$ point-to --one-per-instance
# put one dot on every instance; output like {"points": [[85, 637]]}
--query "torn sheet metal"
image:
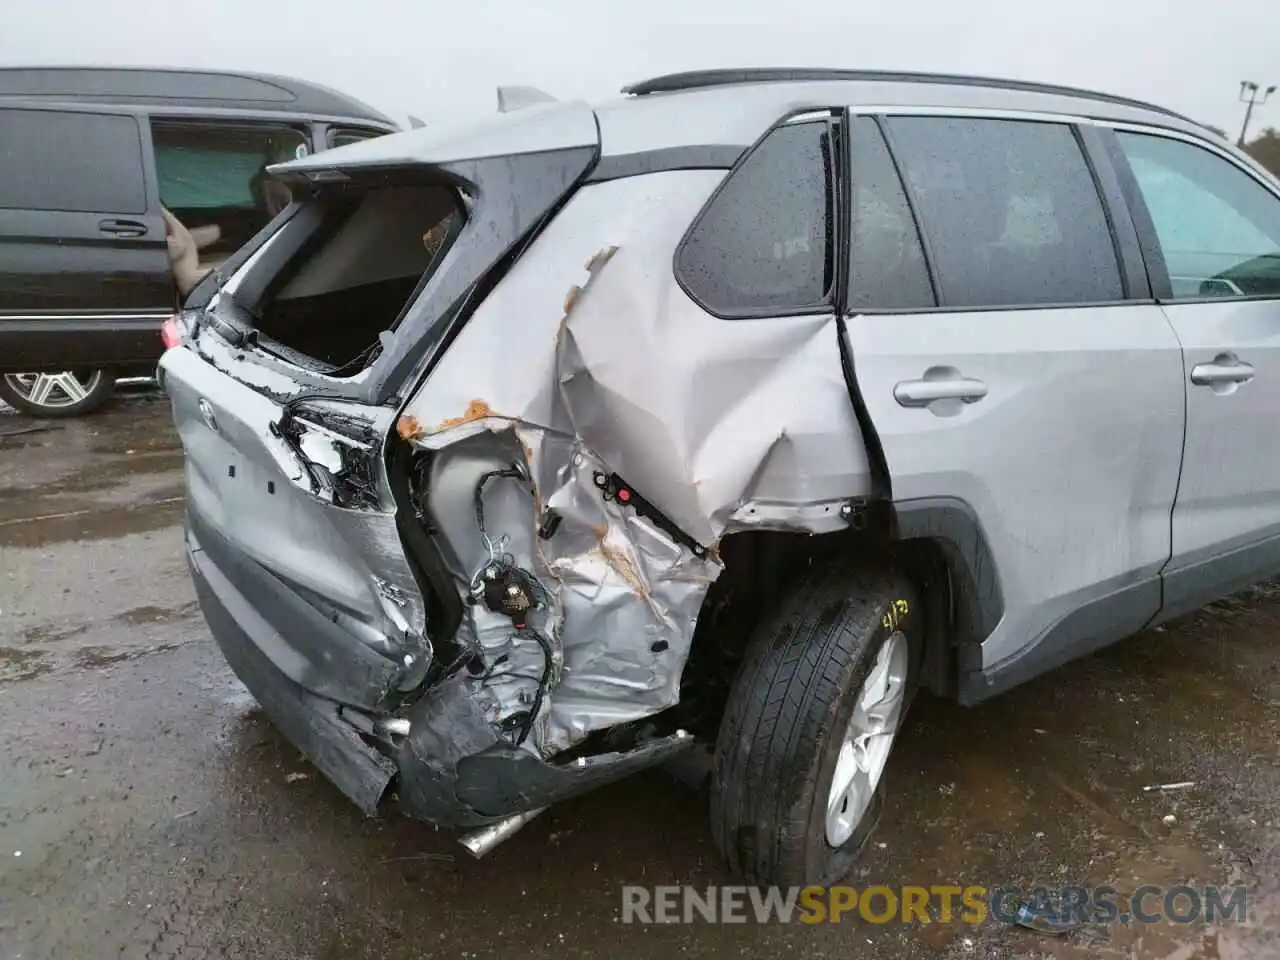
{"points": [[612, 372], [302, 492]]}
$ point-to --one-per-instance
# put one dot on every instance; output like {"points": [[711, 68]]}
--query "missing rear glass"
{"points": [[346, 270]]}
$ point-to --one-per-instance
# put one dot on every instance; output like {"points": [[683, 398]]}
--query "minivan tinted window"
{"points": [[1218, 228], [213, 174], [1010, 210], [764, 243], [82, 162]]}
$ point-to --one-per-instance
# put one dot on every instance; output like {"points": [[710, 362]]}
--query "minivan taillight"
{"points": [[171, 333]]}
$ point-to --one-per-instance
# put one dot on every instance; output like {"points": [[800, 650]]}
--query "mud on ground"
{"points": [[147, 809]]}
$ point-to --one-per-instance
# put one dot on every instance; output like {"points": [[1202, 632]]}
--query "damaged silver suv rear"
{"points": [[530, 454]]}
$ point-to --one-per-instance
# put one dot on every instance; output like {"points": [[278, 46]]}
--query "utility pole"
{"points": [[1249, 93]]}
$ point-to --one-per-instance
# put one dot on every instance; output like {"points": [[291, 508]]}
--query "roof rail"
{"points": [[695, 79]]}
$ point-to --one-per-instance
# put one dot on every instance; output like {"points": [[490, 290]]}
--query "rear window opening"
{"points": [[344, 268]]}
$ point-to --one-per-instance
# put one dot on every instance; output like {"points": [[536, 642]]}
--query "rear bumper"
{"points": [[313, 724], [451, 769]]}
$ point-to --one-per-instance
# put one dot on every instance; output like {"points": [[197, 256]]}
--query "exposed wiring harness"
{"points": [[501, 570]]}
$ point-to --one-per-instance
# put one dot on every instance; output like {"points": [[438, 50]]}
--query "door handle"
{"points": [[1225, 369], [921, 393], [123, 228]]}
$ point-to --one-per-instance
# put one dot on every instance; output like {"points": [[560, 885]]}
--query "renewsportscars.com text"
{"points": [[940, 903]]}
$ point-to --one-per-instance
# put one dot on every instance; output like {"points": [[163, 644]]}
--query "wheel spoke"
{"points": [[868, 740], [41, 387], [842, 779], [72, 387]]}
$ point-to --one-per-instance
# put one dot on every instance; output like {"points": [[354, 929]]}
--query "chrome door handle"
{"points": [[921, 393], [1223, 370]]}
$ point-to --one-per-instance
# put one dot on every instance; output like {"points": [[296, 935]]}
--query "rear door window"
{"points": [[213, 176], [887, 269], [68, 161], [764, 243], [343, 269], [1010, 210], [1218, 227]]}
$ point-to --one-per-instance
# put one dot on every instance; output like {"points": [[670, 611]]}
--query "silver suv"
{"points": [[716, 420]]}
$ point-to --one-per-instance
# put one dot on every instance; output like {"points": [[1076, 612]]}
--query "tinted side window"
{"points": [[764, 243], [887, 268], [215, 175], [1010, 210], [1219, 229], [88, 162], [347, 135]]}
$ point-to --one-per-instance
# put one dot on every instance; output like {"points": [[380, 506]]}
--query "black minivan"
{"points": [[121, 187]]}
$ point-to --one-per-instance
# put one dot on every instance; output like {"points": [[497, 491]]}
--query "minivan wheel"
{"points": [[810, 723], [68, 393]]}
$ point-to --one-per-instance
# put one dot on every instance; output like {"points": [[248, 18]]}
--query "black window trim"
{"points": [[834, 119], [1152, 251]]}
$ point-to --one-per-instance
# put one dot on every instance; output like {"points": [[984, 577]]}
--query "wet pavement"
{"points": [[147, 809]]}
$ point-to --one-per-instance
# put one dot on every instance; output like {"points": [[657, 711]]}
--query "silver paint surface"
{"points": [[721, 425]]}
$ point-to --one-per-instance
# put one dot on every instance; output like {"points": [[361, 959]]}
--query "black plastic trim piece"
{"points": [[613, 488], [1124, 232], [1124, 242], [954, 526], [881, 478], [1144, 226], [503, 781], [693, 157], [1083, 631], [695, 79], [1192, 587]]}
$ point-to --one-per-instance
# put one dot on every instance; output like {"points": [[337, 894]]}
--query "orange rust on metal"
{"points": [[409, 428], [620, 561], [571, 298], [476, 410]]}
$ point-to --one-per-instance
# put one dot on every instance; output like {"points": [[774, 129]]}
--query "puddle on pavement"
{"points": [[22, 664], [107, 656], [101, 523], [49, 634], [141, 616]]}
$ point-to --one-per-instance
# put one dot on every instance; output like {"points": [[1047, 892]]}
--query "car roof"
{"points": [[735, 106], [176, 87]]}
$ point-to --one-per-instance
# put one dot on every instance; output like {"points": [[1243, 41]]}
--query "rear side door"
{"points": [[1026, 391], [84, 270], [1211, 229]]}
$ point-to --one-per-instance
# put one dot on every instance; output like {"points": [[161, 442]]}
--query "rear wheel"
{"points": [[809, 726], [68, 393]]}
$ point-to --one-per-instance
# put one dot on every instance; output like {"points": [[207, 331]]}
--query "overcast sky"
{"points": [[443, 61]]}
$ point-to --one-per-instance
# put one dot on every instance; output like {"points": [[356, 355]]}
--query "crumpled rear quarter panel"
{"points": [[589, 360]]}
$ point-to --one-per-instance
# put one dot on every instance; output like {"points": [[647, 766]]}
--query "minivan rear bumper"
{"points": [[450, 769]]}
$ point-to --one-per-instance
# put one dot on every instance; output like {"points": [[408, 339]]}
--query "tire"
{"points": [[66, 393], [786, 721]]}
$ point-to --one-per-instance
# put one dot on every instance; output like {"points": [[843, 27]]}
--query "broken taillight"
{"points": [[171, 333]]}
